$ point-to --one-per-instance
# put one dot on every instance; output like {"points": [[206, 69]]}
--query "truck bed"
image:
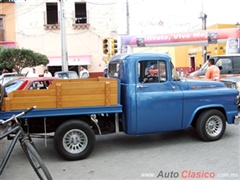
{"points": [[66, 97]]}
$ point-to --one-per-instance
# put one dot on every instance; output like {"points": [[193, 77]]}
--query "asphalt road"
{"points": [[178, 155]]}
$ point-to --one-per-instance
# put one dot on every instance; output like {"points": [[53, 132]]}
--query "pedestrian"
{"points": [[84, 73], [47, 73], [200, 66], [33, 73], [4, 71], [14, 71], [213, 72]]}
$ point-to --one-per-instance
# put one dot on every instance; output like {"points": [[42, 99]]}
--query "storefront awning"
{"points": [[72, 60]]}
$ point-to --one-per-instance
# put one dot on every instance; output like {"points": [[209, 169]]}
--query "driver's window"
{"points": [[152, 71]]}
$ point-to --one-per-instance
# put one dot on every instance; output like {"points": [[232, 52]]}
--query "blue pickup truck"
{"points": [[147, 103]]}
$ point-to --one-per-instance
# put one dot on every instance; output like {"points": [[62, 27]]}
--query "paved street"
{"points": [[120, 156]]}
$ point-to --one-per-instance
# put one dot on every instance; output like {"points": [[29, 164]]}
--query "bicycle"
{"points": [[14, 127]]}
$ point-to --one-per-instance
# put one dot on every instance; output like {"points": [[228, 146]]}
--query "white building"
{"points": [[87, 23]]}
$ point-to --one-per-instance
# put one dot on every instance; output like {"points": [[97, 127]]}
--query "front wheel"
{"points": [[211, 125], [36, 161], [74, 140]]}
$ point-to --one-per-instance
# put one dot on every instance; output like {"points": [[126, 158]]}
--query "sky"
{"points": [[164, 16]]}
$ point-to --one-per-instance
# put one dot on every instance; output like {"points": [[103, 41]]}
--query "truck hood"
{"points": [[203, 84]]}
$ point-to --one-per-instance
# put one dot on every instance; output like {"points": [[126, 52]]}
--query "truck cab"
{"points": [[162, 101]]}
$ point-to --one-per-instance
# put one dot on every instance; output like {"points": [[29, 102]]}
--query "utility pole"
{"points": [[204, 23], [203, 16], [63, 37], [127, 10]]}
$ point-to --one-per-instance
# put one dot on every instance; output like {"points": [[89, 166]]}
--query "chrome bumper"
{"points": [[237, 120]]}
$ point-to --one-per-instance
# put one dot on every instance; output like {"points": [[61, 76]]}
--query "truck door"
{"points": [[159, 101]]}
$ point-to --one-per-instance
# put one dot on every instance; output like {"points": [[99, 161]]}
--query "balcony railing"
{"points": [[52, 26]]}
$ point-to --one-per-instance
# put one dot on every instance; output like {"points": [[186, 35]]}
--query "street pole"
{"points": [[127, 9], [204, 27], [63, 37], [204, 23]]}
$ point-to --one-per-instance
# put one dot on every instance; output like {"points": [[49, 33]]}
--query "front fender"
{"points": [[199, 109]]}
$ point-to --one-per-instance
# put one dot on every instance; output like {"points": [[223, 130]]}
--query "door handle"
{"points": [[140, 86]]}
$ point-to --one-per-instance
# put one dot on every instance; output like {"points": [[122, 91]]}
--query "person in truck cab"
{"points": [[213, 72]]}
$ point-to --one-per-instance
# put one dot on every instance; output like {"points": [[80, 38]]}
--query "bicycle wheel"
{"points": [[36, 161]]}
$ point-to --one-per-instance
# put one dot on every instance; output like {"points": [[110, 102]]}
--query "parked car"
{"points": [[28, 83], [6, 77], [229, 65], [66, 75], [233, 83]]}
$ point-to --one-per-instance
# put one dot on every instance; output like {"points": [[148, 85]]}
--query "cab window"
{"points": [[114, 70], [150, 71]]}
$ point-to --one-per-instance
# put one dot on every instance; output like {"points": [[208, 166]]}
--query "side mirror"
{"points": [[220, 67]]}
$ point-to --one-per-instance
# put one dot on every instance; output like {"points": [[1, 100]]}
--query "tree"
{"points": [[15, 58]]}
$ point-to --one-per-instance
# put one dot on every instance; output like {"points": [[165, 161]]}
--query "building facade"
{"points": [[86, 24], [7, 23]]}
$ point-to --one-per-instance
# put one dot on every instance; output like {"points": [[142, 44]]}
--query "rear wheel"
{"points": [[74, 140], [211, 125], [36, 161]]}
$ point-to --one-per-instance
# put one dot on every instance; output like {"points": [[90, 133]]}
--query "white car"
{"points": [[66, 75], [6, 77]]}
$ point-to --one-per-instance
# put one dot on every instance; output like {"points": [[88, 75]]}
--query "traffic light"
{"points": [[106, 47], [114, 46]]}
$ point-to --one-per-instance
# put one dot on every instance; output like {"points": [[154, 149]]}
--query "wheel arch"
{"points": [[197, 113]]}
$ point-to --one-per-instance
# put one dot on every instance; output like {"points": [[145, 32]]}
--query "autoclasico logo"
{"points": [[186, 174]]}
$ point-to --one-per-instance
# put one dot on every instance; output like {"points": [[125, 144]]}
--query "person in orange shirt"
{"points": [[213, 72]]}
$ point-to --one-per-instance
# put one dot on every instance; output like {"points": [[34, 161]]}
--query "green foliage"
{"points": [[14, 58]]}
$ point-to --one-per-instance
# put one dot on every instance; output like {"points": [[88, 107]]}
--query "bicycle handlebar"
{"points": [[30, 109], [16, 116]]}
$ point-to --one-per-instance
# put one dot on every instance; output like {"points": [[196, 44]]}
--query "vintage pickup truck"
{"points": [[131, 100]]}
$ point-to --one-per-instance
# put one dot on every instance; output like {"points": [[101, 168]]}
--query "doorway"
{"points": [[192, 63]]}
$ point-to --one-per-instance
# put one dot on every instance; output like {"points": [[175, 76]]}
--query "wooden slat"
{"points": [[30, 93], [74, 80], [23, 100], [66, 92], [58, 95], [27, 105]]}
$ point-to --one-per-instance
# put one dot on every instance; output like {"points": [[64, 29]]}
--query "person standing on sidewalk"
{"points": [[84, 73]]}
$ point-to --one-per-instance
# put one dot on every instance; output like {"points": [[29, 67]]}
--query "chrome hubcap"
{"points": [[75, 141], [214, 126]]}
